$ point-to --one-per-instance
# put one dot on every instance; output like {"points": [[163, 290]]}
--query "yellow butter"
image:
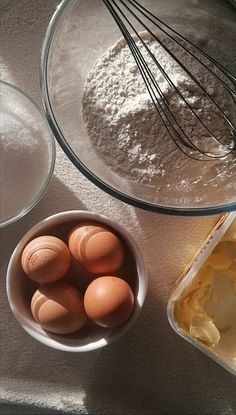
{"points": [[206, 308], [219, 261], [203, 328]]}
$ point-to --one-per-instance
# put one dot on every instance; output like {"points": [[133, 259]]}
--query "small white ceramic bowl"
{"points": [[20, 288]]}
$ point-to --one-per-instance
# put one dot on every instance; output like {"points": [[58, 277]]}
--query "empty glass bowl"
{"points": [[78, 34], [27, 154]]}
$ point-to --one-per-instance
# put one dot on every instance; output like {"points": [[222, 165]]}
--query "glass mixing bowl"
{"points": [[79, 33], [27, 154]]}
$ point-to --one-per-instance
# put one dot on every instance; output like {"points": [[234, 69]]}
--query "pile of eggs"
{"points": [[58, 305]]}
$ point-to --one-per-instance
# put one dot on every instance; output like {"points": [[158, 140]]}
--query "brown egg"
{"points": [[109, 301], [46, 259], [96, 248], [58, 308]]}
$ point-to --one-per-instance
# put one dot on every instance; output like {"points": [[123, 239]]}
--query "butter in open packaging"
{"points": [[202, 307]]}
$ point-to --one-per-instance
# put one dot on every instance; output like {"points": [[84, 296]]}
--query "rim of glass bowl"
{"points": [[181, 211], [44, 186]]}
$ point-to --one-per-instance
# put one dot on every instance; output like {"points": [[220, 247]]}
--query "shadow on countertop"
{"points": [[153, 371], [58, 198], [149, 371], [14, 409]]}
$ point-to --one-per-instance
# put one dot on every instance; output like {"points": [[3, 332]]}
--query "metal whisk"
{"points": [[130, 13]]}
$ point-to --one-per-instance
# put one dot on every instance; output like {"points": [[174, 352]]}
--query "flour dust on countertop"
{"points": [[128, 135]]}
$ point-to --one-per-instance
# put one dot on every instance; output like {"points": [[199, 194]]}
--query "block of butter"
{"points": [[202, 308]]}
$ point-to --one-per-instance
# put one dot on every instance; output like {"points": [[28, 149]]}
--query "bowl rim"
{"points": [[130, 200], [52, 159], [141, 272]]}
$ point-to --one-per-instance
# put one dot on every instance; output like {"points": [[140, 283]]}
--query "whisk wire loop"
{"points": [[146, 13], [146, 73], [157, 96], [187, 41], [172, 84]]}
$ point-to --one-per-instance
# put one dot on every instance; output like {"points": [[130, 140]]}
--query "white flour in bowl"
{"points": [[128, 135]]}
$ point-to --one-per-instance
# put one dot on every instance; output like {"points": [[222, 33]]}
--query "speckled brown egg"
{"points": [[98, 249], [109, 301], [58, 308], [46, 259]]}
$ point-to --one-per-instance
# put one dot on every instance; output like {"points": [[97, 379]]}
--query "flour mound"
{"points": [[127, 133]]}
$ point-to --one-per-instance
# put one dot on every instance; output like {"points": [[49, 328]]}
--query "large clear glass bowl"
{"points": [[79, 33]]}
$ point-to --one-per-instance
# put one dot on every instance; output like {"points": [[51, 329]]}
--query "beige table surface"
{"points": [[151, 370]]}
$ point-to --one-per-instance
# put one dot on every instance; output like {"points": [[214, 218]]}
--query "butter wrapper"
{"points": [[202, 307]]}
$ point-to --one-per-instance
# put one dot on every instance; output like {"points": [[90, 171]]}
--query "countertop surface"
{"points": [[150, 370]]}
